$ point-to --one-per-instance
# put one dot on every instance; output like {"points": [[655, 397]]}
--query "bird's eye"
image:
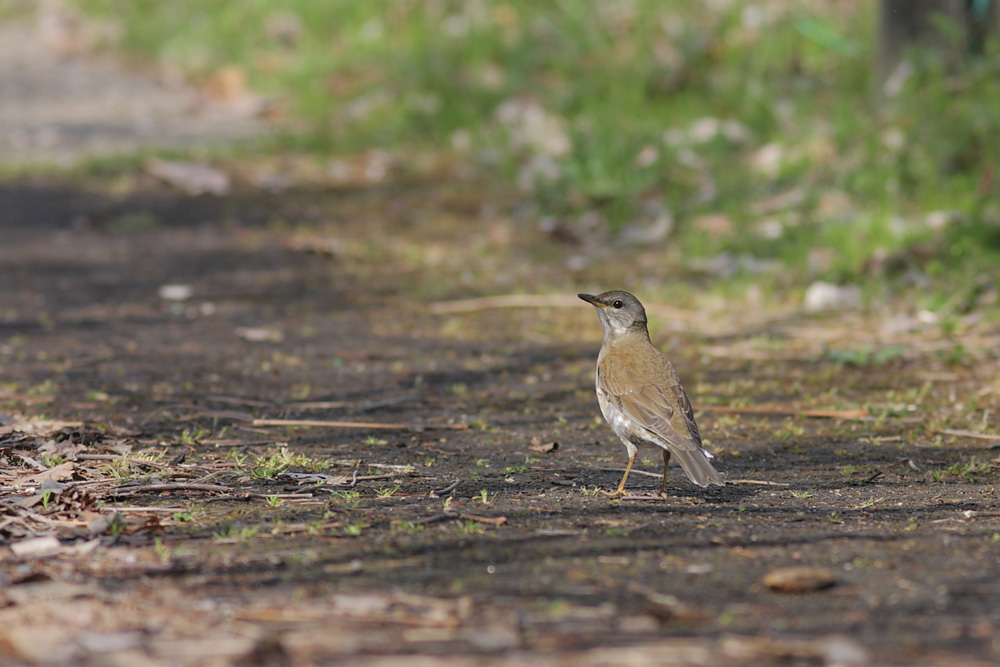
{"points": [[617, 304]]}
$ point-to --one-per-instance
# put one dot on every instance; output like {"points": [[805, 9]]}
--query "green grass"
{"points": [[763, 116]]}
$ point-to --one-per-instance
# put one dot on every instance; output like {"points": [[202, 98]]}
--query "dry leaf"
{"points": [[799, 579], [543, 447], [54, 474], [193, 178], [261, 334], [36, 547]]}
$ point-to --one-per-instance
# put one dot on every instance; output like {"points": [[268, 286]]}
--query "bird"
{"points": [[640, 393]]}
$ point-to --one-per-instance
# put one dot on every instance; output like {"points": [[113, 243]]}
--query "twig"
{"points": [[343, 424], [144, 509], [504, 301], [317, 405], [239, 400], [437, 493], [873, 477], [761, 482], [386, 402], [968, 434], [634, 472], [778, 410], [489, 520], [451, 516], [170, 486], [121, 457]]}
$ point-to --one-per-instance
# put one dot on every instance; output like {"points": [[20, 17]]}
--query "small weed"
{"points": [[407, 527], [52, 461], [937, 475], [646, 461], [789, 430], [354, 529], [969, 471], [473, 528], [531, 460], [229, 533], [590, 490], [350, 499], [869, 503], [482, 463], [193, 436], [387, 492], [486, 498], [274, 501], [182, 516], [514, 470], [161, 550], [850, 470], [615, 531], [802, 494], [375, 440], [835, 517], [865, 356], [429, 461]]}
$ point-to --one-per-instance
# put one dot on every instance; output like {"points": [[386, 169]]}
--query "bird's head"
{"points": [[620, 312]]}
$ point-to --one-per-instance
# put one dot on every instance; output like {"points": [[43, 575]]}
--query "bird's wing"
{"points": [[665, 415], [662, 414]]}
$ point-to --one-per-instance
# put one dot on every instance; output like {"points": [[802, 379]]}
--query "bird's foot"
{"points": [[617, 493]]}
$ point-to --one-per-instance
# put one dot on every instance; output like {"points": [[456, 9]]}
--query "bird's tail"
{"points": [[696, 465]]}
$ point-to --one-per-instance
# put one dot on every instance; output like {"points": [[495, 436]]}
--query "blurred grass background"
{"points": [[747, 133]]}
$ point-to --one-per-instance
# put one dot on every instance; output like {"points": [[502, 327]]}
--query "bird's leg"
{"points": [[621, 486], [666, 460]]}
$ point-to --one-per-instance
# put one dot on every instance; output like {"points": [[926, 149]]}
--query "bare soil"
{"points": [[186, 534]]}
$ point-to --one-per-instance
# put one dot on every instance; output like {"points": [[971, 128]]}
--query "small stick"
{"points": [[317, 405], [634, 472], [503, 301], [968, 434], [143, 509], [120, 457], [343, 424], [171, 486], [777, 410], [446, 490], [489, 520], [755, 481]]}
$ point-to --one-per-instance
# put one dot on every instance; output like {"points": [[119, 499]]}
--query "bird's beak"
{"points": [[592, 300]]}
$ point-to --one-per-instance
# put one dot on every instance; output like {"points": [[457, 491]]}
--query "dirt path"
{"points": [[522, 558], [61, 104], [146, 519]]}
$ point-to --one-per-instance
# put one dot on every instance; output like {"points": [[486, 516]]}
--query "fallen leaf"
{"points": [[261, 334], [36, 547], [799, 579], [54, 474], [193, 178], [543, 447]]}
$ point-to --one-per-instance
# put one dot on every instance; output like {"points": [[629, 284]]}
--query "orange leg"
{"points": [[666, 460], [628, 469]]}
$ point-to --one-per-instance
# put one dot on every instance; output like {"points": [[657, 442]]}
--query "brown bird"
{"points": [[641, 396]]}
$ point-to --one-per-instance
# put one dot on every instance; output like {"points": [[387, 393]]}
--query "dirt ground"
{"points": [[149, 517], [148, 520]]}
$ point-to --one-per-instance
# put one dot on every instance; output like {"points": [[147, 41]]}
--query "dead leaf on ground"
{"points": [[193, 178], [543, 447], [799, 579]]}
